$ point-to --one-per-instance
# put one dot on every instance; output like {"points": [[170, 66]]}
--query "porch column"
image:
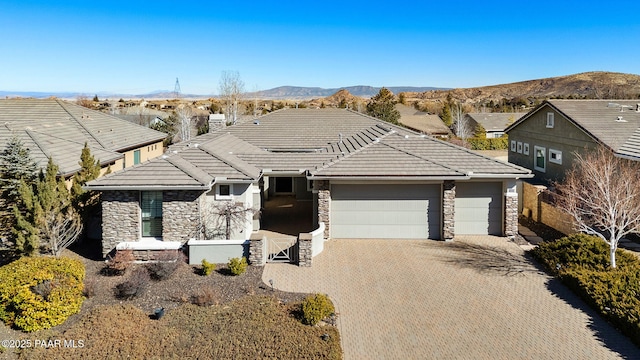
{"points": [[448, 210], [324, 204], [120, 218], [511, 209]]}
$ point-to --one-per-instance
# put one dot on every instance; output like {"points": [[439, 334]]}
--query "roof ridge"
{"points": [[81, 124], [346, 156], [188, 168], [241, 167]]}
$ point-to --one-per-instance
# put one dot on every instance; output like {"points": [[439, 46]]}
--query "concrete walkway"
{"points": [[474, 298]]}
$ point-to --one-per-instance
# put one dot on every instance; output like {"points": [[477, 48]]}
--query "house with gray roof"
{"points": [[546, 139], [422, 122], [59, 129], [360, 177], [494, 124]]}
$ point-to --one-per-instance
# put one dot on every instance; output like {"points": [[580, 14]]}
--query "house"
{"points": [[422, 122], [493, 123], [58, 129], [546, 139], [362, 178]]}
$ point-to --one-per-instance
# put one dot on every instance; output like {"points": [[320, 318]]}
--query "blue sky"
{"points": [[142, 46]]}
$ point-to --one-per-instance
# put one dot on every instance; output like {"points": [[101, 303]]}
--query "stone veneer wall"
{"points": [[448, 209], [181, 214], [324, 204], [511, 215], [120, 218], [257, 249], [305, 253]]}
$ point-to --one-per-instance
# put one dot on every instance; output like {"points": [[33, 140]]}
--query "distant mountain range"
{"points": [[278, 93], [595, 84]]}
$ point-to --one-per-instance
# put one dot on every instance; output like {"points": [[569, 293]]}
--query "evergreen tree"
{"points": [[16, 165], [25, 229], [382, 106], [83, 200]]}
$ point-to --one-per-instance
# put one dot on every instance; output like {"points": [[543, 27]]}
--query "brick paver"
{"points": [[474, 298]]}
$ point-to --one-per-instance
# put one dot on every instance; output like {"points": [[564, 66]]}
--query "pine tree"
{"points": [[382, 106], [89, 170], [25, 229], [16, 164]]}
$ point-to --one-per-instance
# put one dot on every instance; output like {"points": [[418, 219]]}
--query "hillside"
{"points": [[596, 85]]}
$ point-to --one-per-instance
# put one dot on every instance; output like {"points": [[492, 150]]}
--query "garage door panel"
{"points": [[478, 208], [385, 211]]}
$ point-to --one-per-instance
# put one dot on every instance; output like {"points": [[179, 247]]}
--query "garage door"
{"points": [[478, 208], [385, 211]]}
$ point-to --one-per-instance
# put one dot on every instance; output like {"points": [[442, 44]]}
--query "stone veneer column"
{"points": [[324, 204], [305, 253], [120, 218], [257, 249], [448, 210], [180, 214], [511, 214]]}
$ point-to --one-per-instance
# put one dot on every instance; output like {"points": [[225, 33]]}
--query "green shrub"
{"points": [[582, 263], [207, 267], [238, 266], [315, 308], [40, 292], [501, 143]]}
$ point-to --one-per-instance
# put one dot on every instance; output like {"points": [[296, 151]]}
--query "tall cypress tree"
{"points": [[83, 200]]}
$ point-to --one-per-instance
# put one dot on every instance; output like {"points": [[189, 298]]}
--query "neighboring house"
{"points": [[365, 178], [422, 122], [546, 139], [58, 129], [493, 123]]}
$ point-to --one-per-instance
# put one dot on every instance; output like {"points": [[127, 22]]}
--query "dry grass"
{"points": [[253, 327]]}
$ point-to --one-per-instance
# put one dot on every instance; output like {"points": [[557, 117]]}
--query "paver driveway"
{"points": [[474, 298]]}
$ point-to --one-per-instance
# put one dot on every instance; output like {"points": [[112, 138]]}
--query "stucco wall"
{"points": [[147, 152], [241, 193], [543, 212]]}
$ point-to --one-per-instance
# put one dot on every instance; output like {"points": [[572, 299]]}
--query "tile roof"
{"points": [[495, 121], [367, 148], [614, 123], [421, 121], [52, 127]]}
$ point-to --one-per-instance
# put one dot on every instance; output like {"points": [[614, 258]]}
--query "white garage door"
{"points": [[375, 211], [478, 208]]}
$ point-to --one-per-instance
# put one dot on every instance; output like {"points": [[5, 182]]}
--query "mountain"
{"points": [[591, 85], [301, 93]]}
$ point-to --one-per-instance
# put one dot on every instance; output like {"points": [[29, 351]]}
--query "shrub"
{"points": [[315, 308], [501, 143], [40, 292], [205, 297], [134, 286], [207, 267], [238, 266], [119, 263], [582, 263], [165, 264], [89, 287]]}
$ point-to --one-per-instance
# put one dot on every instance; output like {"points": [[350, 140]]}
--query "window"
{"points": [[151, 207], [540, 158], [549, 120], [498, 135], [136, 157], [519, 147], [224, 192], [513, 145], [525, 148], [555, 156]]}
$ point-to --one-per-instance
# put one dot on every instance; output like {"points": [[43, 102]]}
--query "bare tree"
{"points": [[60, 230], [184, 114], [462, 127], [231, 89], [223, 217], [602, 194]]}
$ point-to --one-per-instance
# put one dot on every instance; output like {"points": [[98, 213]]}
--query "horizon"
{"points": [[140, 48]]}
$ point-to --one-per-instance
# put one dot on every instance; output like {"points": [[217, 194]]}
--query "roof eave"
{"points": [[387, 178], [146, 187]]}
